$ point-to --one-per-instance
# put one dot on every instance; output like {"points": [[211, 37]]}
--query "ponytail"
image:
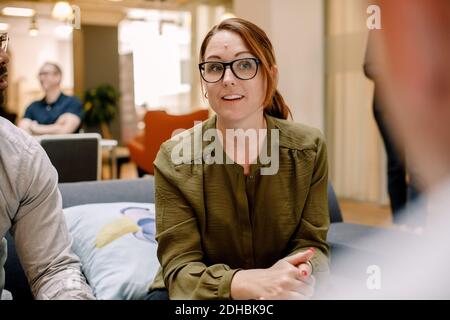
{"points": [[278, 108]]}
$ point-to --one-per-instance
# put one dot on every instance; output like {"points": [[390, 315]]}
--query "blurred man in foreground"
{"points": [[415, 77], [31, 209]]}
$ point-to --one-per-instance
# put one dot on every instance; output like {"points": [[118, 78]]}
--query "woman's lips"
{"points": [[232, 97]]}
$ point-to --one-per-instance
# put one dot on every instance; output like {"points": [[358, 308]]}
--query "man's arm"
{"points": [[66, 123], [25, 124], [42, 240]]}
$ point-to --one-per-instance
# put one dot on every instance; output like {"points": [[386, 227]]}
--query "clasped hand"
{"points": [[288, 279]]}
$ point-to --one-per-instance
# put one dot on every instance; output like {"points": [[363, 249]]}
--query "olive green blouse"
{"points": [[212, 220]]}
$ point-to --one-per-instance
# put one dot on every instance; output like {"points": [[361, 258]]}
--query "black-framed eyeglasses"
{"points": [[244, 69], [46, 73]]}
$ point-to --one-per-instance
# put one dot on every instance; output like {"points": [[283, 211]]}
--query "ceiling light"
{"points": [[62, 11], [33, 31], [18, 12]]}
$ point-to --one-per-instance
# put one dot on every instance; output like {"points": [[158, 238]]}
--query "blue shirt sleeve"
{"points": [[29, 112], [75, 106]]}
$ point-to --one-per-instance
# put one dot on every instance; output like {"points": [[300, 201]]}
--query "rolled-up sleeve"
{"points": [[42, 239]]}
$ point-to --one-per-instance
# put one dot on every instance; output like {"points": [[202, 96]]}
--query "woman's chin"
{"points": [[231, 115]]}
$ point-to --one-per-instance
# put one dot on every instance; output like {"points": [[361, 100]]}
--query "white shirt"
{"points": [[31, 209]]}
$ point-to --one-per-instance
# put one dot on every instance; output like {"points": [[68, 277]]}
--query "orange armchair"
{"points": [[159, 127]]}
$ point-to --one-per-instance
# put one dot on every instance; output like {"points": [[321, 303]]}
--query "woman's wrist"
{"points": [[238, 287], [235, 286]]}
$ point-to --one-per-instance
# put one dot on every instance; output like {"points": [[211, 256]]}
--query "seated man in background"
{"points": [[56, 113], [31, 209]]}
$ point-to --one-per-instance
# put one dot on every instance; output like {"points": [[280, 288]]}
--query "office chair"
{"points": [[159, 127], [76, 157]]}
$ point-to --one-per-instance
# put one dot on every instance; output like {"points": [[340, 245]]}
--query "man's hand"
{"points": [[288, 279]]}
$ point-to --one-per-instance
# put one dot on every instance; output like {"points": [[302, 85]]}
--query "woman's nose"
{"points": [[229, 78]]}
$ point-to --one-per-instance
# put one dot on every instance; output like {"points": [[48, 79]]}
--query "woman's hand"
{"points": [[288, 279]]}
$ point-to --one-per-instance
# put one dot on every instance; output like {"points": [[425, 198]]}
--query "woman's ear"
{"points": [[274, 71], [204, 91]]}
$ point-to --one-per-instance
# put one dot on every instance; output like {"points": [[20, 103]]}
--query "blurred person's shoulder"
{"points": [[18, 152], [24, 167], [14, 142]]}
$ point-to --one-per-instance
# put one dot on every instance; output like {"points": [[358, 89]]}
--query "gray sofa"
{"points": [[343, 237], [78, 193]]}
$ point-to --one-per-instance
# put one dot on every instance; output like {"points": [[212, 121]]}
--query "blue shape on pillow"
{"points": [[143, 218]]}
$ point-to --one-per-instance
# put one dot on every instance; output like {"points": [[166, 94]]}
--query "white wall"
{"points": [[296, 29], [257, 11], [355, 149]]}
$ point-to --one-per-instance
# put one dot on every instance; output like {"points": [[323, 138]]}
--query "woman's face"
{"points": [[231, 98]]}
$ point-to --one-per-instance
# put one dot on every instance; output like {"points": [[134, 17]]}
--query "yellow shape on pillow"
{"points": [[115, 230]]}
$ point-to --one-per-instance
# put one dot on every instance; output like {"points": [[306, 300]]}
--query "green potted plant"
{"points": [[100, 107]]}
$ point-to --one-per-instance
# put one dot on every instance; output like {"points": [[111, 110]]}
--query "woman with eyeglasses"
{"points": [[246, 216]]}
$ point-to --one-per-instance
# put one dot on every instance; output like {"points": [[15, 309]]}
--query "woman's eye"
{"points": [[245, 65], [214, 67]]}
